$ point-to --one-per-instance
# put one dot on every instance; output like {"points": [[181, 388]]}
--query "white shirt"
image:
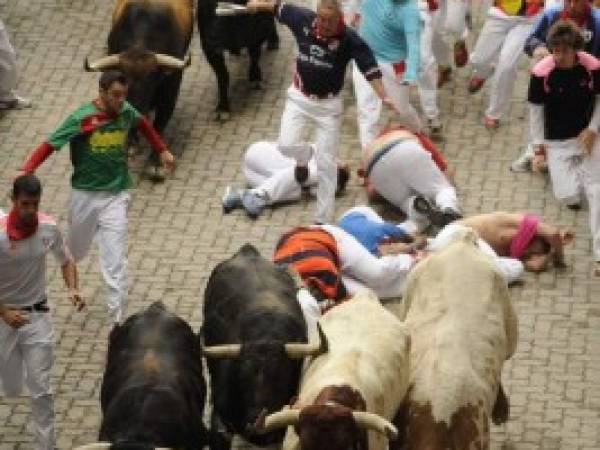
{"points": [[23, 263]]}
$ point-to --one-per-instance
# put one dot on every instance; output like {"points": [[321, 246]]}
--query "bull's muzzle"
{"points": [[293, 350]]}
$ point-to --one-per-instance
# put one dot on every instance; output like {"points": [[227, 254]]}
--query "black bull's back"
{"points": [[153, 390], [251, 301]]}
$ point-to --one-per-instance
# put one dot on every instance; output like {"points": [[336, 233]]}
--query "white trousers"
{"points": [[326, 116], [408, 170], [428, 72], [502, 37], [449, 25], [511, 268], [573, 174], [385, 275], [8, 66], [270, 172], [26, 357], [368, 104], [102, 216]]}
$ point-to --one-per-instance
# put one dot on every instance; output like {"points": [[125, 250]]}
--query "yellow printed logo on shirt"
{"points": [[101, 141]]}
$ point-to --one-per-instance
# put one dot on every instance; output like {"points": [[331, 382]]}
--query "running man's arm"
{"points": [[157, 143], [59, 137], [68, 268], [412, 27]]}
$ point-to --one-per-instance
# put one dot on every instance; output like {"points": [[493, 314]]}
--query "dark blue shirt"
{"points": [[321, 63], [591, 31]]}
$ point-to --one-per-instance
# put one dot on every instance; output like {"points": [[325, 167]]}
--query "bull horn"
{"points": [[280, 419], [310, 349], [172, 62], [222, 351], [107, 445], [104, 63], [374, 422], [95, 446]]}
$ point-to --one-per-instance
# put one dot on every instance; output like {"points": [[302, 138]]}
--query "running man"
{"points": [[97, 133]]}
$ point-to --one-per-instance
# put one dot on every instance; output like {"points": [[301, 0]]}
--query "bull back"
{"points": [[153, 389], [463, 327]]}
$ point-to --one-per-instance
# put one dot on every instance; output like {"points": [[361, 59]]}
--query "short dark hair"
{"points": [[27, 184], [564, 33], [112, 76]]}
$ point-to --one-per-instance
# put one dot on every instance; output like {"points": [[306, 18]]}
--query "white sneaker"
{"points": [[522, 163], [435, 126]]}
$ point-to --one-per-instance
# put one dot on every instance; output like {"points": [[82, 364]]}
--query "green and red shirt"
{"points": [[98, 143]]}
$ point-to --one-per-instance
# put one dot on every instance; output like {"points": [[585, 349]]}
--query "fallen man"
{"points": [[275, 178]]}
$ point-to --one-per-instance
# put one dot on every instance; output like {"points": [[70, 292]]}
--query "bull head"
{"points": [[293, 350], [148, 59], [366, 420]]}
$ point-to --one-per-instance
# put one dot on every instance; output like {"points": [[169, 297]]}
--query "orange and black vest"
{"points": [[312, 252]]}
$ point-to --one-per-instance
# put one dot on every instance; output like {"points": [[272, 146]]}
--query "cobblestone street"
{"points": [[178, 232]]}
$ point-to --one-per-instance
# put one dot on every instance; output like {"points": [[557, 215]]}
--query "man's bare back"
{"points": [[497, 229]]}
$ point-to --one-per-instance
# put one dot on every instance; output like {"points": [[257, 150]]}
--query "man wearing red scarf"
{"points": [[325, 47], [26, 337]]}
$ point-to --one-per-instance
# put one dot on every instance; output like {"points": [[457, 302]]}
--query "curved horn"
{"points": [[280, 419], [106, 446], [95, 446], [172, 62], [310, 349], [222, 351], [374, 422], [104, 63]]}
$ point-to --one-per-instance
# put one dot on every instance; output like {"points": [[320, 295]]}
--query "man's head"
{"points": [[26, 194], [329, 17], [564, 40], [113, 90], [577, 8], [537, 255]]}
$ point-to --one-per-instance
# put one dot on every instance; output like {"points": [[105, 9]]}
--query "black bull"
{"points": [[153, 390], [251, 317], [232, 33], [149, 41]]}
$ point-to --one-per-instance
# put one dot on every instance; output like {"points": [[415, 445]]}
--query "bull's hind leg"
{"points": [[273, 39], [217, 62], [218, 437], [254, 74], [501, 409]]}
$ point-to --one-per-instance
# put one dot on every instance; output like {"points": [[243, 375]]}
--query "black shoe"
{"points": [[450, 215], [342, 179], [301, 174], [434, 215], [574, 206]]}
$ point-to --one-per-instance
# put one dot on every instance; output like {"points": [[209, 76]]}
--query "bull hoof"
{"points": [[222, 116], [156, 174], [255, 85], [501, 410]]}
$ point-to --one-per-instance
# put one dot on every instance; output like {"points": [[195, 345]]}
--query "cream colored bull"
{"points": [[358, 385], [463, 327]]}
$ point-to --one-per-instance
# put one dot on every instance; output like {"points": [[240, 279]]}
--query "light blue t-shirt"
{"points": [[392, 28]]}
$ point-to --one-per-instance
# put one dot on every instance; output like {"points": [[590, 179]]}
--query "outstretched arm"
{"points": [[159, 146]]}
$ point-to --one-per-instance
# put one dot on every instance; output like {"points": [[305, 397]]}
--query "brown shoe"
{"points": [[444, 75], [461, 54]]}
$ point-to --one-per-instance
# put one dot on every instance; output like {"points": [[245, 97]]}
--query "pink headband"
{"points": [[524, 235]]}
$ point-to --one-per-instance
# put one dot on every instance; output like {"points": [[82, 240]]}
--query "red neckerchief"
{"points": [[336, 36], [92, 121], [17, 230], [580, 21]]}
